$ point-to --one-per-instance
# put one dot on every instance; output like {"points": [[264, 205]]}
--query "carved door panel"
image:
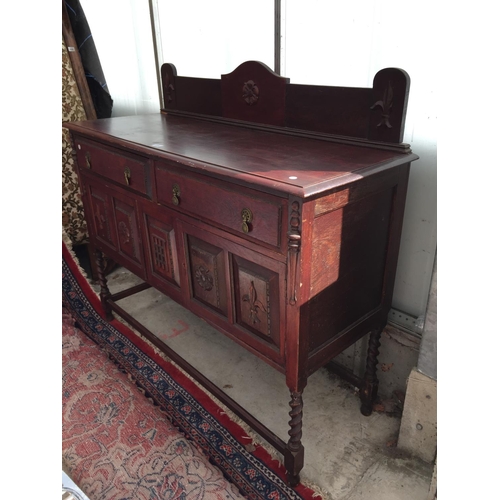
{"points": [[207, 273], [127, 232], [101, 218], [162, 261], [257, 299], [238, 289]]}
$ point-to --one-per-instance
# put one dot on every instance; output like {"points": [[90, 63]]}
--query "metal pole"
{"points": [[155, 48], [277, 36]]}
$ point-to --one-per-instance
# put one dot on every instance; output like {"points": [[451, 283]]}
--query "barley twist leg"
{"points": [[369, 388], [103, 282], [294, 456]]}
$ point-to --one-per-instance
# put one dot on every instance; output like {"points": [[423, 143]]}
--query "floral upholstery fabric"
{"points": [[73, 219]]}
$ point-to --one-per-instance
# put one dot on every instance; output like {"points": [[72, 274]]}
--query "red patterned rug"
{"points": [[118, 445]]}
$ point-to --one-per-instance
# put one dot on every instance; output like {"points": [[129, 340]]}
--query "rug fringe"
{"points": [[317, 491]]}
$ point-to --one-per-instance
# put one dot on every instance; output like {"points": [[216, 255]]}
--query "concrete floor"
{"points": [[347, 455]]}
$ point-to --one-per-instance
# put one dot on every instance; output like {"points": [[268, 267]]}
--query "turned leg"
{"points": [[103, 282], [294, 455], [93, 265], [369, 389]]}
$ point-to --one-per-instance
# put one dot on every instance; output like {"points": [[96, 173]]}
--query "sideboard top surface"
{"points": [[283, 163]]}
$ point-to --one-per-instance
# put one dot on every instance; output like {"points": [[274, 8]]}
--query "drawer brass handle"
{"points": [[247, 217], [126, 172], [87, 160], [176, 193]]}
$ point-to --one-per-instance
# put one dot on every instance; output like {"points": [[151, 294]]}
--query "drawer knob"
{"points": [[246, 216], [176, 193], [126, 172], [87, 160]]}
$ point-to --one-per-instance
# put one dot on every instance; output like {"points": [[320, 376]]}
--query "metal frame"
{"points": [[153, 14], [277, 36], [406, 322]]}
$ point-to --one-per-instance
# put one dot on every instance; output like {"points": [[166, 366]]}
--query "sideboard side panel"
{"points": [[347, 265]]}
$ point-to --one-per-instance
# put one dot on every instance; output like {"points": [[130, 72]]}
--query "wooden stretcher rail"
{"points": [[236, 408], [130, 291], [346, 374]]}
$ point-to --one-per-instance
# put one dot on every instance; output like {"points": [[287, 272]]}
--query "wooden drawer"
{"points": [[245, 212], [127, 169]]}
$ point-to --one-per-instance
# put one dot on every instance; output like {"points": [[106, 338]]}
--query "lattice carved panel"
{"points": [[162, 253]]}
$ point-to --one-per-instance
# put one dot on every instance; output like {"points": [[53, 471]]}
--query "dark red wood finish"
{"points": [[285, 240], [123, 168], [222, 204], [254, 93]]}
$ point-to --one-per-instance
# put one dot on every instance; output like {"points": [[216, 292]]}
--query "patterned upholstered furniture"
{"points": [[73, 219]]}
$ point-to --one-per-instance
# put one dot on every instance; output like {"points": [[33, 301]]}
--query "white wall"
{"points": [[345, 44], [207, 39]]}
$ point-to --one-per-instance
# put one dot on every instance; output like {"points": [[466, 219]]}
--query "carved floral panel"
{"points": [[208, 283]]}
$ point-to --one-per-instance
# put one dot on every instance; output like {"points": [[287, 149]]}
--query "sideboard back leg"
{"points": [[105, 294], [369, 388], [294, 454]]}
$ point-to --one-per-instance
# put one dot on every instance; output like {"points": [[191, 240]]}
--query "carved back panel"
{"points": [[253, 93]]}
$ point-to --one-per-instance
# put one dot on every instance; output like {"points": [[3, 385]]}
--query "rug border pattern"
{"points": [[225, 448]]}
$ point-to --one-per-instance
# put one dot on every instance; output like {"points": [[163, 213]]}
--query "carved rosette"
{"points": [[385, 105], [293, 251], [204, 278], [250, 92]]}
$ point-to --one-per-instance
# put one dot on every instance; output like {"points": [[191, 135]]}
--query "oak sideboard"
{"points": [[271, 210]]}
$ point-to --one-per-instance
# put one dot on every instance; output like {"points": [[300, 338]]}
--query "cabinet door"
{"points": [[257, 299], [161, 252], [113, 223], [207, 273], [99, 215], [129, 244], [239, 290]]}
